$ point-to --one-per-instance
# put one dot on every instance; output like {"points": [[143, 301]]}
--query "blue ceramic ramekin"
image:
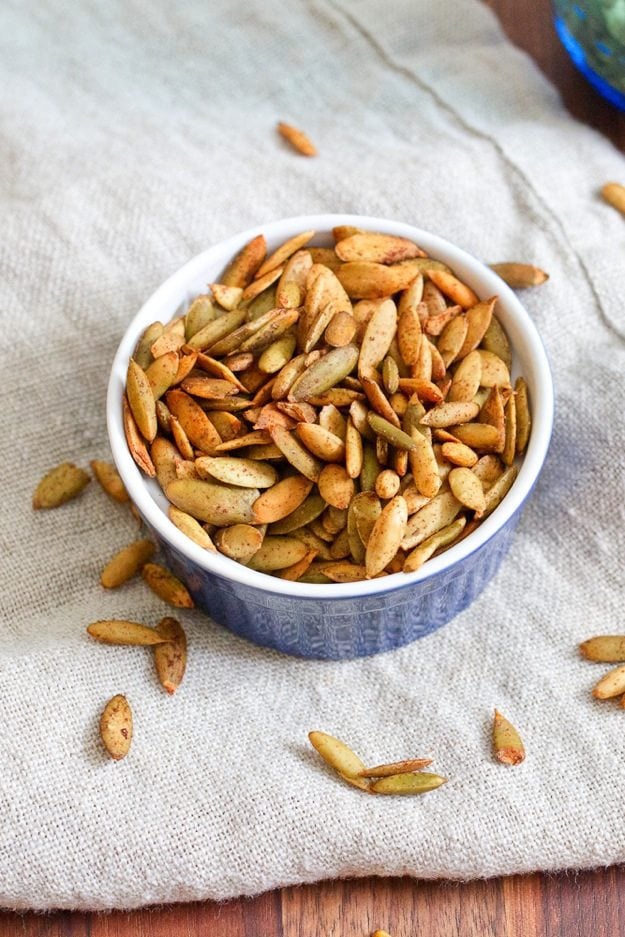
{"points": [[347, 620]]}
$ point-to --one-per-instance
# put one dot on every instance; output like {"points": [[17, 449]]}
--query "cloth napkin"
{"points": [[133, 136]]}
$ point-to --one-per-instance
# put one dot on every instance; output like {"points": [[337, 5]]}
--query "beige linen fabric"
{"points": [[133, 136]]}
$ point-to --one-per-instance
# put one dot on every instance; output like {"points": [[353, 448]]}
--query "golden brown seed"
{"points": [[336, 754], [126, 563], [459, 454], [386, 536], [378, 335], [414, 500], [189, 526], [277, 354], [499, 489], [434, 325], [298, 139], [244, 473], [335, 486], [409, 334], [60, 485], [441, 538], [509, 448], [436, 514], [492, 414], [494, 371], [374, 281], [342, 571], [277, 553], [466, 380], [240, 542], [396, 767], [376, 248], [450, 414], [387, 484], [419, 783], [452, 287], [488, 469], [496, 340], [423, 465], [480, 436], [193, 420], [170, 658], [380, 933], [240, 271], [116, 727], [143, 354], [353, 450], [228, 297], [325, 256], [378, 400], [523, 418], [340, 330], [452, 339], [136, 444], [293, 451], [297, 570], [162, 373], [607, 648], [307, 511], [166, 586], [119, 631], [217, 504], [141, 400], [614, 194], [478, 320], [425, 390], [613, 684], [325, 373], [217, 329], [321, 442], [390, 375], [208, 388], [172, 339], [507, 744], [110, 480], [467, 488], [184, 447], [520, 276], [282, 253], [292, 286], [280, 500], [200, 313]]}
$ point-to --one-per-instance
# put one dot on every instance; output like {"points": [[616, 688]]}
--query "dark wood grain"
{"points": [[529, 25], [520, 906]]}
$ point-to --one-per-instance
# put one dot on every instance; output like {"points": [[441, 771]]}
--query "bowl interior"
{"points": [[175, 295]]}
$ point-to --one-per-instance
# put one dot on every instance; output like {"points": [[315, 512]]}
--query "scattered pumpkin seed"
{"points": [[126, 563], [507, 743], [170, 658], [59, 485], [119, 631], [116, 727]]}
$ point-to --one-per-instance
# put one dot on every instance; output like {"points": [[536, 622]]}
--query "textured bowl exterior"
{"points": [[347, 620], [340, 629]]}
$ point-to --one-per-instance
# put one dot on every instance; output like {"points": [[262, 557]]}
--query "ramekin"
{"points": [[347, 620]]}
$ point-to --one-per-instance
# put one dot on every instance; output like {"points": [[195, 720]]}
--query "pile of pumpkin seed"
{"points": [[330, 414]]}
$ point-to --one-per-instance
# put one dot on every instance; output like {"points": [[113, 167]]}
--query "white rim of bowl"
{"points": [[460, 261]]}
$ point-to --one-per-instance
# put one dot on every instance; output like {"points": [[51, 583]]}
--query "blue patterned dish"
{"points": [[338, 621]]}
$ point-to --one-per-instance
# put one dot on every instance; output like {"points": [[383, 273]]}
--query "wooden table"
{"points": [[536, 905]]}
